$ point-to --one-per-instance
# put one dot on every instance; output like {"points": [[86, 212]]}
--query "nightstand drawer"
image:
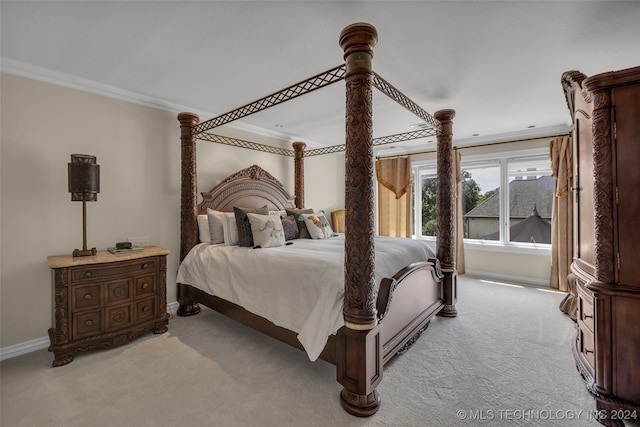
{"points": [[118, 291], [145, 285], [86, 296], [86, 323], [146, 309], [118, 317], [84, 274]]}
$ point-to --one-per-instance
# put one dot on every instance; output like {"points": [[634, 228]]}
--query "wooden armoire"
{"points": [[606, 261]]}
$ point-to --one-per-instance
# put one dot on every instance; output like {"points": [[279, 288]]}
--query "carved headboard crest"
{"points": [[253, 172], [249, 187]]}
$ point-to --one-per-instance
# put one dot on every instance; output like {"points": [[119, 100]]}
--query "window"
{"points": [[520, 216], [425, 207], [481, 200]]}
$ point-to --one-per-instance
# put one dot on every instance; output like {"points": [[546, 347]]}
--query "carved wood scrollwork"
{"points": [[359, 243], [60, 333], [446, 219], [188, 190], [359, 308], [299, 147], [603, 186]]}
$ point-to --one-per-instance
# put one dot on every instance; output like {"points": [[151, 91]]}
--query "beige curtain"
{"points": [[458, 199], [394, 196], [562, 223]]}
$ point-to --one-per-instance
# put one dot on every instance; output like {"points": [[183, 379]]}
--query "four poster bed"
{"points": [[373, 295]]}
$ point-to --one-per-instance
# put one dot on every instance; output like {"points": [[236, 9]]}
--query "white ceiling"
{"points": [[498, 64]]}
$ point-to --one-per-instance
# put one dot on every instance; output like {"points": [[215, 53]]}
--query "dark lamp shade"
{"points": [[84, 178]]}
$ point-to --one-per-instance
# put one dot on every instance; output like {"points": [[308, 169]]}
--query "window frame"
{"points": [[502, 160]]}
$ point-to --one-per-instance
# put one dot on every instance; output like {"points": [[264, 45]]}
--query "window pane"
{"points": [[530, 200], [429, 197], [481, 201]]}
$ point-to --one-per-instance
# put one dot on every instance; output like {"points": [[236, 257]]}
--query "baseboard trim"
{"points": [[43, 342], [531, 281], [23, 348]]}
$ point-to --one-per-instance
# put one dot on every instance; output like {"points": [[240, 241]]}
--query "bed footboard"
{"points": [[407, 302]]}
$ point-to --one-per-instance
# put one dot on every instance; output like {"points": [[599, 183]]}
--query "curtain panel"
{"points": [[561, 153], [394, 196]]}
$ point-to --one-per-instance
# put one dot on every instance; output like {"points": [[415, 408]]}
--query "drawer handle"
{"points": [[88, 274], [88, 323], [145, 285], [586, 316], [88, 296], [587, 351], [145, 265], [146, 308]]}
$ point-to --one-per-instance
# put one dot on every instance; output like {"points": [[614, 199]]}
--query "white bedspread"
{"points": [[299, 286]]}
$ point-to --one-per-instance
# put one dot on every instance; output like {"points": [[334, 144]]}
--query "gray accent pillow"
{"points": [[290, 227], [302, 227], [245, 238]]}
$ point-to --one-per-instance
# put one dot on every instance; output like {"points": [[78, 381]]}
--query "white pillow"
{"points": [[318, 226], [204, 234], [216, 232], [267, 230], [229, 228]]}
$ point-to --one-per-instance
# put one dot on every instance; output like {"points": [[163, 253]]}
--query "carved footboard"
{"points": [[407, 302]]}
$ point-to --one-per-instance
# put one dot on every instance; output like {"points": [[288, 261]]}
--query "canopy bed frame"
{"points": [[405, 303]]}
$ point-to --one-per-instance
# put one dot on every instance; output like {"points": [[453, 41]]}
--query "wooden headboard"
{"points": [[248, 188]]}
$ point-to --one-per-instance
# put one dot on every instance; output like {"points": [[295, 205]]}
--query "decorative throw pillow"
{"points": [[244, 227], [290, 226], [229, 228], [302, 227], [266, 230], [216, 231], [203, 229], [318, 226]]}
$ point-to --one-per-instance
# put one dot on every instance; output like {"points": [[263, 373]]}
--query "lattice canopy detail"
{"points": [[336, 74], [316, 82]]}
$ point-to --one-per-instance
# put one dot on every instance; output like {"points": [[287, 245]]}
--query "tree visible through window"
{"points": [[471, 193]]}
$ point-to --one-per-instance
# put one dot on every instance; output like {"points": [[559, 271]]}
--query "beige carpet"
{"points": [[505, 360]]}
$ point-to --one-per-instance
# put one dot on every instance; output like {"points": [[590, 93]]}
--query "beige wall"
{"points": [[138, 150], [526, 268]]}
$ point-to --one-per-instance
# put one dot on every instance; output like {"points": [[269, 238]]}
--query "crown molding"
{"points": [[533, 133], [22, 69], [18, 68]]}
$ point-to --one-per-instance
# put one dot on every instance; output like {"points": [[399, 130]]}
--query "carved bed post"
{"points": [[299, 173], [188, 203], [446, 241], [359, 355], [188, 192]]}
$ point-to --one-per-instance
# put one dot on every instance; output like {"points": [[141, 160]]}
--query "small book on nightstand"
{"points": [[117, 251]]}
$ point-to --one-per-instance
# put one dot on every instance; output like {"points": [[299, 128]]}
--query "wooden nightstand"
{"points": [[106, 300]]}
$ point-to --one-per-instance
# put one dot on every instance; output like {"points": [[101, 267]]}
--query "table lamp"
{"points": [[84, 186]]}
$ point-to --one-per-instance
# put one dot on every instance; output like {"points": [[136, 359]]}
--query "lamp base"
{"points": [[85, 252]]}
